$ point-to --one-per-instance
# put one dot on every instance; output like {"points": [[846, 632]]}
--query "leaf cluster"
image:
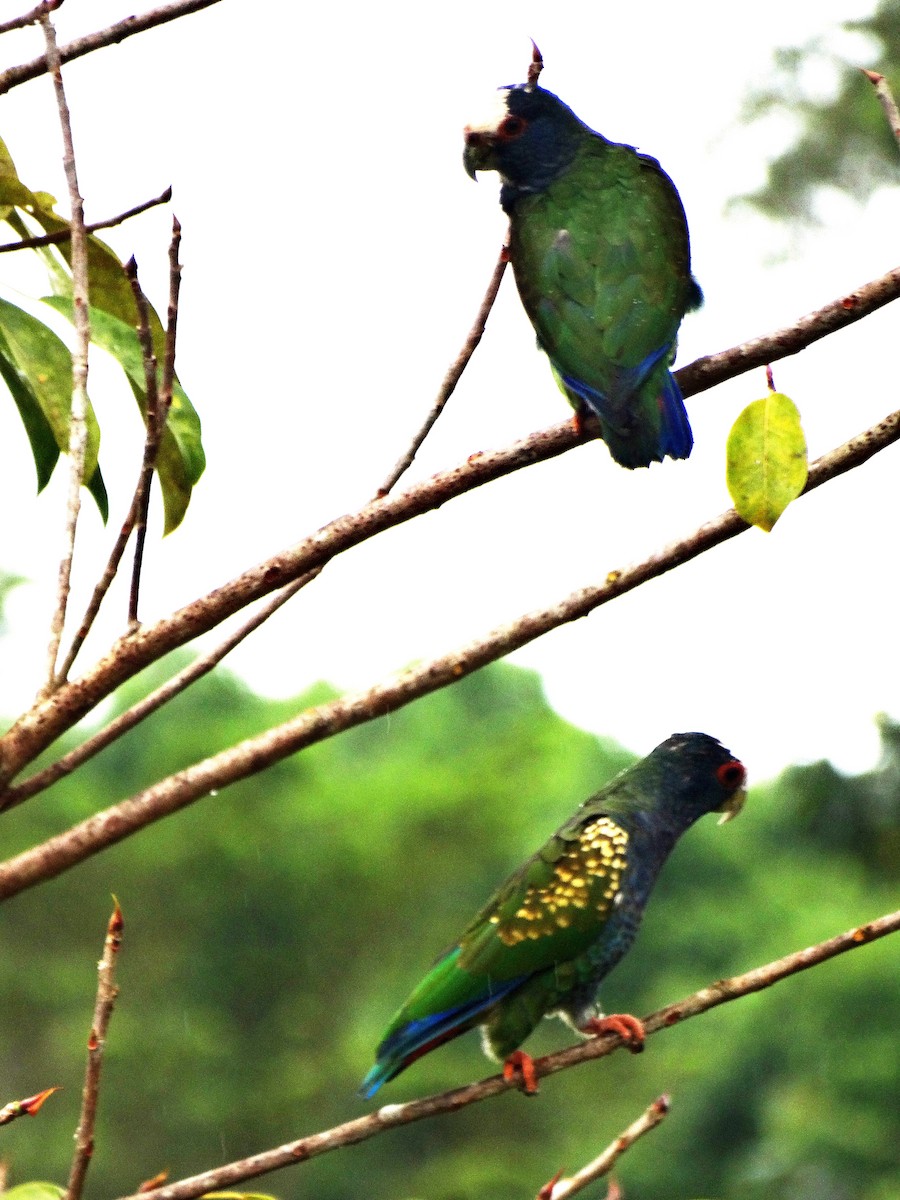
{"points": [[36, 366]]}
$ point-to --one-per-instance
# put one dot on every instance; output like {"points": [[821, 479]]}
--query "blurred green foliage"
{"points": [[842, 139], [271, 931]]}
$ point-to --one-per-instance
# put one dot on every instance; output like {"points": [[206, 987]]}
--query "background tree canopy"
{"points": [[271, 930], [841, 139]]}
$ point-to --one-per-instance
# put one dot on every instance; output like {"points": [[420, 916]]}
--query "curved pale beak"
{"points": [[478, 151], [732, 806]]}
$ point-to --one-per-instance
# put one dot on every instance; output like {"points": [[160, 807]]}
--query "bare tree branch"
{"points": [[30, 18], [78, 416], [247, 758], [561, 1189], [391, 1116], [63, 235], [38, 728], [126, 28], [103, 1006], [150, 704], [454, 374]]}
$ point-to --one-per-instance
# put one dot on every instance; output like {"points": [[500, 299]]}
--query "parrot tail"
{"points": [[409, 1039], [652, 422]]}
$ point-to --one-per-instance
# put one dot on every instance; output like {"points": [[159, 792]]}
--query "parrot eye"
{"points": [[511, 127], [731, 774]]}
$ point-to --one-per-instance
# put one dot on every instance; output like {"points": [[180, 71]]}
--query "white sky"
{"points": [[335, 253]]}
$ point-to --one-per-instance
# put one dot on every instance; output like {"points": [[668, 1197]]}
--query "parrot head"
{"points": [[530, 137], [695, 775]]}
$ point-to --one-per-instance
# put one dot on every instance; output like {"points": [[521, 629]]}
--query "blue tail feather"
{"points": [[631, 442], [677, 440], [418, 1036]]}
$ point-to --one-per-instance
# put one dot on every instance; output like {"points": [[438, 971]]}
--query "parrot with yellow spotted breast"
{"points": [[552, 932]]}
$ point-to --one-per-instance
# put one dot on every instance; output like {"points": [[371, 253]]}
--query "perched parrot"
{"points": [[545, 941], [599, 247]]}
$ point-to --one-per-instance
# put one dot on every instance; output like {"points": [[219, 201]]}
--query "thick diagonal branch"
{"points": [[247, 758], [39, 727], [123, 29]]}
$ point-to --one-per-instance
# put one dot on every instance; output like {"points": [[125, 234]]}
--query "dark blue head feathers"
{"points": [[530, 140]]}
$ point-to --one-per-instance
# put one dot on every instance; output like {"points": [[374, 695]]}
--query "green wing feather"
{"points": [[602, 263]]}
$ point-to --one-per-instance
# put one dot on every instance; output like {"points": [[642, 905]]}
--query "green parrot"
{"points": [[552, 932], [599, 247]]}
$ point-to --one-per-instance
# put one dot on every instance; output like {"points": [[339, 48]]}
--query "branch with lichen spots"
{"points": [[112, 825], [46, 721], [391, 1116]]}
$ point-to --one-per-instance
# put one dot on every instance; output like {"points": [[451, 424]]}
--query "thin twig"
{"points": [[36, 729], [886, 100], [152, 440], [454, 374], [535, 66], [247, 758], [150, 704], [63, 235], [25, 1108], [103, 1006], [30, 18], [102, 587], [561, 1189], [78, 417], [391, 1116], [154, 422], [123, 29], [168, 371]]}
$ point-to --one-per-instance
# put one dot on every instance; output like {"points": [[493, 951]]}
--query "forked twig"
{"points": [[30, 18], [561, 1189], [150, 704]]}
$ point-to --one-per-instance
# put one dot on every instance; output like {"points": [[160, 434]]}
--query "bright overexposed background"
{"points": [[334, 255]]}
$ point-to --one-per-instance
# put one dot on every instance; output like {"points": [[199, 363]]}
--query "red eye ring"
{"points": [[511, 127], [731, 774]]}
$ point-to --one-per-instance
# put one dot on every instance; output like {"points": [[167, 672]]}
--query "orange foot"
{"points": [[578, 422], [519, 1068], [629, 1029]]}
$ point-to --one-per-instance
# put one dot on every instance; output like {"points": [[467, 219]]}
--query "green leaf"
{"points": [[766, 460], [12, 190], [37, 368], [44, 449], [107, 285], [35, 1191], [181, 459], [236, 1196]]}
